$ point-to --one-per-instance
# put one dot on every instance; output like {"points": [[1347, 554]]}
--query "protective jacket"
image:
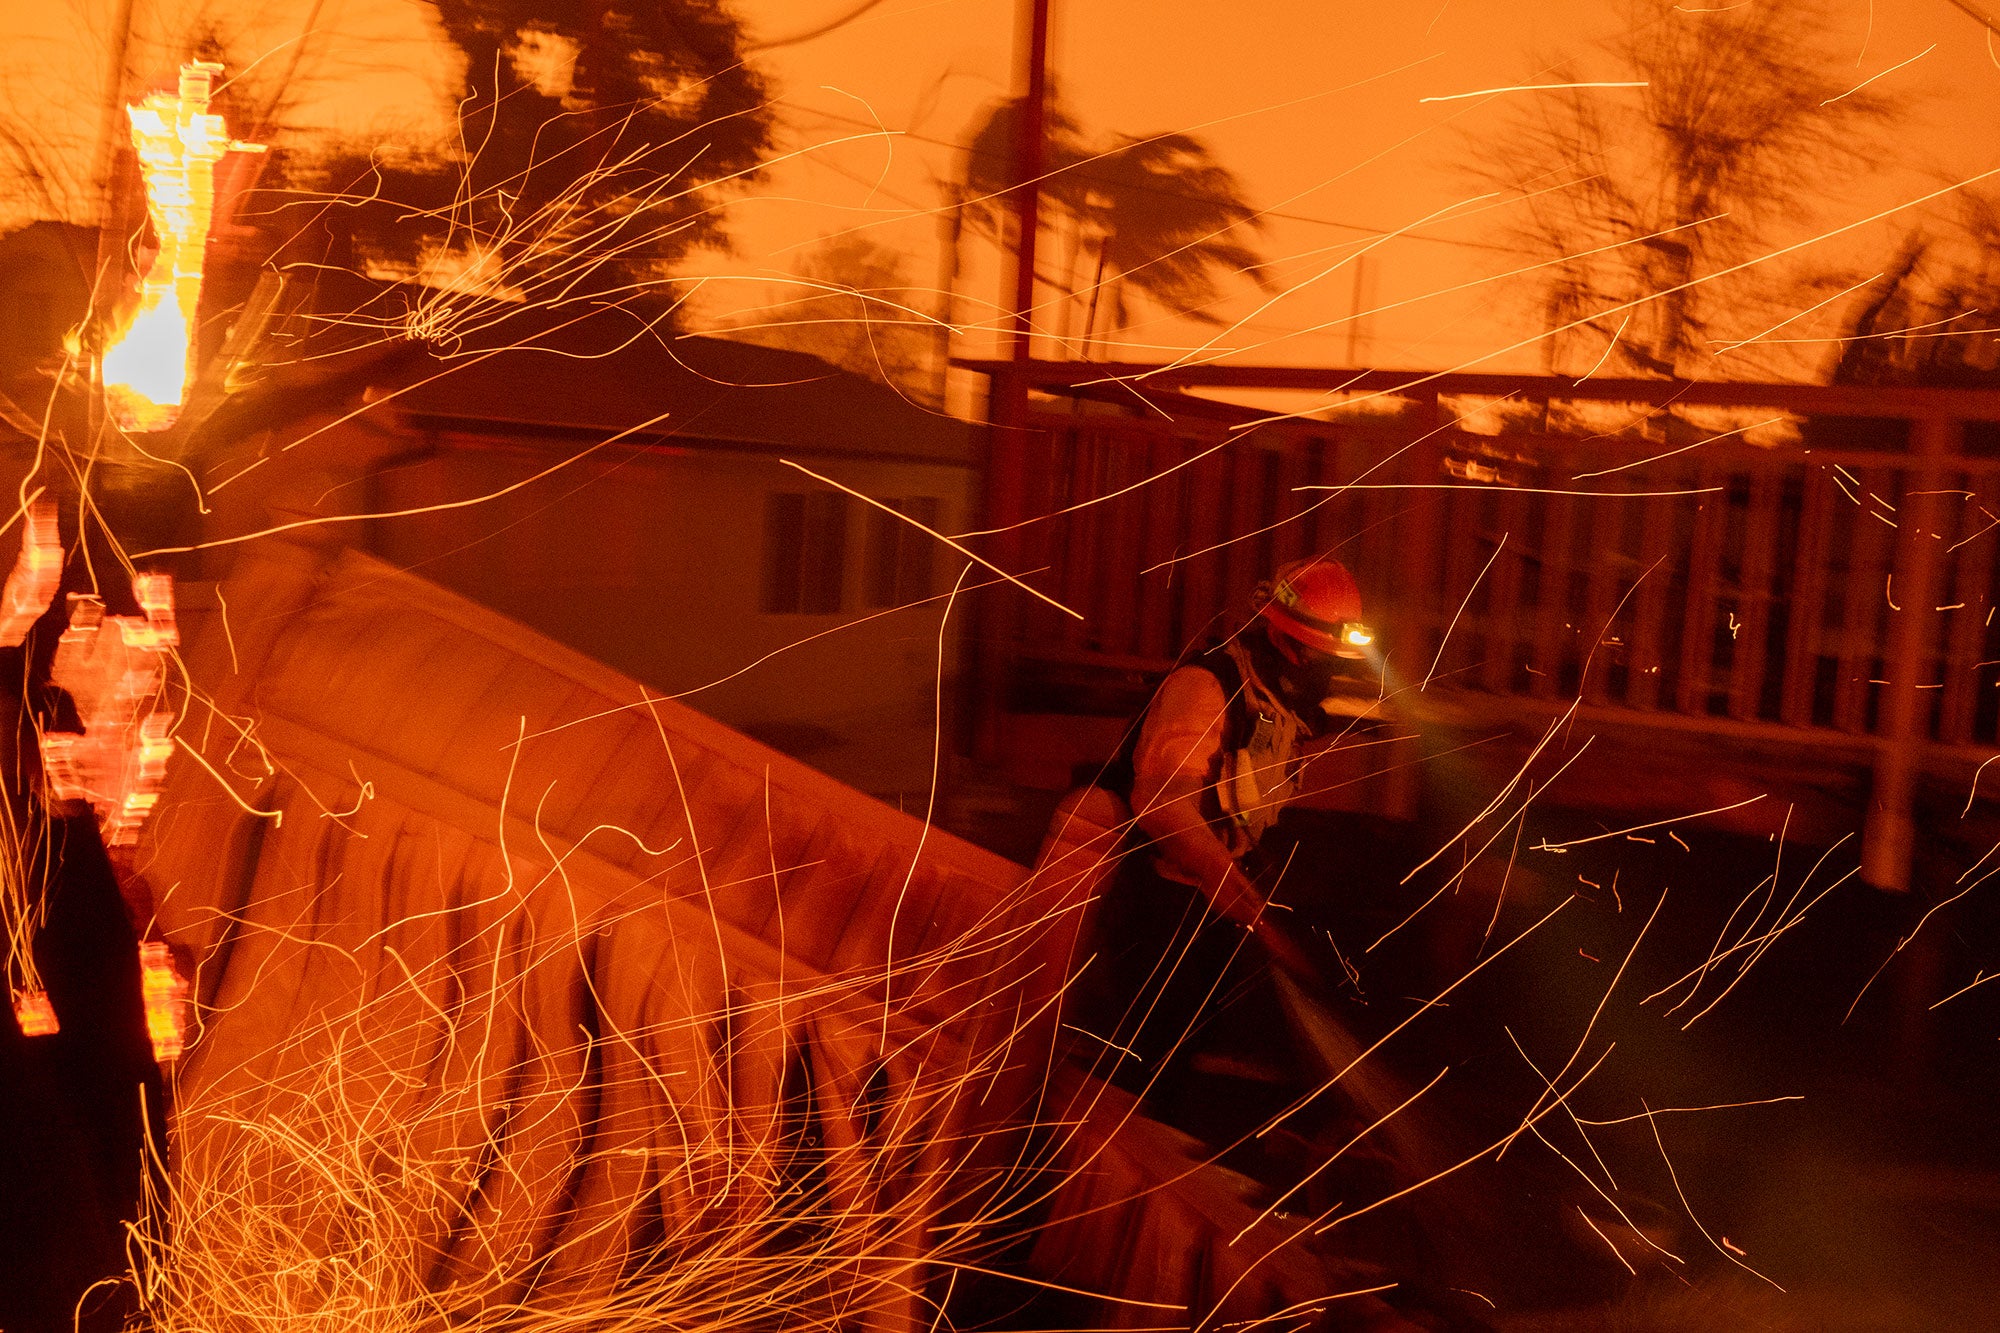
{"points": [[1212, 719]]}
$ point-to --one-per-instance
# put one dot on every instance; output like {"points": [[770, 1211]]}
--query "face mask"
{"points": [[1301, 685], [1304, 686]]}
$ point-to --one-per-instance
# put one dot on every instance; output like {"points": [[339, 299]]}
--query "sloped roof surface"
{"points": [[532, 968], [710, 388], [606, 370]]}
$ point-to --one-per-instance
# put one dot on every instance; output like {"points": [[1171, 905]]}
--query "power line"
{"points": [[818, 30], [1975, 13], [1048, 279], [1159, 190]]}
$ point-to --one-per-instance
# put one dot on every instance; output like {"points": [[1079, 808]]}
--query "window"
{"points": [[900, 557], [805, 552]]}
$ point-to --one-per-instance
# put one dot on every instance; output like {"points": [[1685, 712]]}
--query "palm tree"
{"points": [[1156, 215], [1646, 205], [991, 177], [1168, 222]]}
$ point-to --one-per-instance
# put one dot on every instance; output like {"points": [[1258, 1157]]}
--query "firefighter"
{"points": [[1185, 931], [1205, 1001]]}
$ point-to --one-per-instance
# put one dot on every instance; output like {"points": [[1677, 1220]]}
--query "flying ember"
{"points": [[146, 368]]}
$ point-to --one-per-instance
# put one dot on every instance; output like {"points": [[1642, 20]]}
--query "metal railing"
{"points": [[1828, 577]]}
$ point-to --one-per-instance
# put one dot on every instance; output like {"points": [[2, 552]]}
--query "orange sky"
{"points": [[1314, 103]]}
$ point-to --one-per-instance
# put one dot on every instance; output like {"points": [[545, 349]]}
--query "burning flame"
{"points": [[166, 1001], [114, 668], [36, 574], [147, 367], [33, 1013]]}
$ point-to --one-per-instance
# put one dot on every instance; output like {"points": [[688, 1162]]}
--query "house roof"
{"points": [[578, 984], [543, 369], [548, 371]]}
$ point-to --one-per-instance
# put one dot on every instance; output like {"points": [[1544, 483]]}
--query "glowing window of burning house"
{"points": [[33, 1013], [166, 1001], [114, 669]]}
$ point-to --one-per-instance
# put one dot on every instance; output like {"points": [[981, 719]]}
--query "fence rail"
{"points": [[1830, 575]]}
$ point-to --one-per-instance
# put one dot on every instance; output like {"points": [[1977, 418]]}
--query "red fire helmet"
{"points": [[1316, 604]]}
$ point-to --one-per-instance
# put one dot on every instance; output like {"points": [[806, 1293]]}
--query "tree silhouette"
{"points": [[1167, 221], [1930, 319], [991, 172], [855, 307], [1648, 195], [1156, 216], [594, 136]]}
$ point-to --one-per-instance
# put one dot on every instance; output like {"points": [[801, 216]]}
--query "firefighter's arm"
{"points": [[1173, 820], [1175, 824], [1178, 753], [1177, 756]]}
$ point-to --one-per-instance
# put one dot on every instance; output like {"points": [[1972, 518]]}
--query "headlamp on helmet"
{"points": [[1313, 607]]}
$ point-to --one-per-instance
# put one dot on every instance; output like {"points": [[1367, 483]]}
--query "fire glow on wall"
{"points": [[146, 368]]}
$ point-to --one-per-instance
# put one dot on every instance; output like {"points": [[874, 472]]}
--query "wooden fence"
{"points": [[1798, 564]]}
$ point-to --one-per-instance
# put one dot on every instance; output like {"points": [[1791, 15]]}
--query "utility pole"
{"points": [[951, 228], [1009, 413], [1007, 409]]}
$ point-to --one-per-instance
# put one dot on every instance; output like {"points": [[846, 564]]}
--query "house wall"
{"points": [[678, 567]]}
